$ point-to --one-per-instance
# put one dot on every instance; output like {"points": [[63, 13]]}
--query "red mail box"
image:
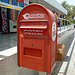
{"points": [[36, 38]]}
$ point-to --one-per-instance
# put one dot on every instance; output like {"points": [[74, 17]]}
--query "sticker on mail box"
{"points": [[53, 31]]}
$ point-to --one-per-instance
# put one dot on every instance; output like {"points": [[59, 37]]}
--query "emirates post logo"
{"points": [[28, 16]]}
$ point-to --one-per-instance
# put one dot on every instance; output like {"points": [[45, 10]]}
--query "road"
{"points": [[71, 67], [67, 66]]}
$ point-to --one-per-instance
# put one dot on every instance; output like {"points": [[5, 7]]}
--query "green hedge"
{"points": [[72, 20]]}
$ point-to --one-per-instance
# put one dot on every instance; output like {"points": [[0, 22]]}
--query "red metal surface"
{"points": [[36, 38]]}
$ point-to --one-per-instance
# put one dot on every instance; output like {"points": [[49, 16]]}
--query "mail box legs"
{"points": [[44, 73]]}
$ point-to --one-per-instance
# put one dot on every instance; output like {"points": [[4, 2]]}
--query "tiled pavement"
{"points": [[7, 41]]}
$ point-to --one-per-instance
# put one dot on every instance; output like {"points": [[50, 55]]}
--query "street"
{"points": [[67, 66]]}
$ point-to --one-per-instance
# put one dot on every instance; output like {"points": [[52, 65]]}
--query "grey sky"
{"points": [[71, 2]]}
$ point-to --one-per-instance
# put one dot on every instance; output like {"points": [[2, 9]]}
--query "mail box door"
{"points": [[32, 53]]}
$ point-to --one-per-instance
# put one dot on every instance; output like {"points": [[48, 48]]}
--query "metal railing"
{"points": [[63, 24]]}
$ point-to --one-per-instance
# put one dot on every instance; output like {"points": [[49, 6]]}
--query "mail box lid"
{"points": [[35, 27], [33, 24]]}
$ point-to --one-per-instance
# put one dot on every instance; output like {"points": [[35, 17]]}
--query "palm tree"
{"points": [[73, 12], [70, 10]]}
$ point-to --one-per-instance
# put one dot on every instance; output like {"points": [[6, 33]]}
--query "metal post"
{"points": [[64, 24], [67, 24], [60, 25]]}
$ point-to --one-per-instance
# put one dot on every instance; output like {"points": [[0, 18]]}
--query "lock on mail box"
{"points": [[36, 38]]}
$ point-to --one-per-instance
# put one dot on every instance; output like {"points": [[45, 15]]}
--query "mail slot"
{"points": [[36, 38]]}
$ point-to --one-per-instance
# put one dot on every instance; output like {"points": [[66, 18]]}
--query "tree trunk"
{"points": [[72, 17]]}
